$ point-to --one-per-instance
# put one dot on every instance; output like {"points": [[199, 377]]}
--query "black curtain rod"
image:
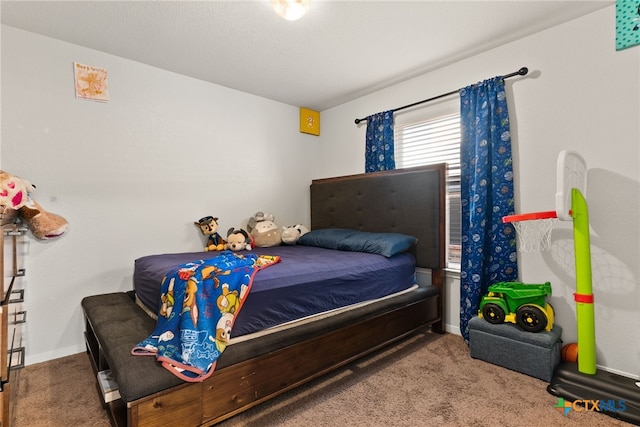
{"points": [[521, 72]]}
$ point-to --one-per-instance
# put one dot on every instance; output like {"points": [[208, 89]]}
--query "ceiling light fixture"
{"points": [[291, 10]]}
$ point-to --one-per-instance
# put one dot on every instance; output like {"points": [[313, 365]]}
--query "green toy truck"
{"points": [[520, 303]]}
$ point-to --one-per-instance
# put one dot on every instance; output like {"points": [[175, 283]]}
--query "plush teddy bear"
{"points": [[14, 194], [209, 227], [238, 240], [291, 234], [264, 231]]}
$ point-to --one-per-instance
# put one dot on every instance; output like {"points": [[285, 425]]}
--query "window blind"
{"points": [[435, 138]]}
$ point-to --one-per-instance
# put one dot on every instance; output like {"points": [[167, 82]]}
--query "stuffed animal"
{"points": [[264, 231], [238, 240], [14, 194], [13, 191], [291, 234], [43, 225], [209, 227]]}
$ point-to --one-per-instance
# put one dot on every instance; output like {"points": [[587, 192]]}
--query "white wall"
{"points": [[580, 94], [132, 175]]}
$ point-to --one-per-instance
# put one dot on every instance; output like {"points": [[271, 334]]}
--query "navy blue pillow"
{"points": [[386, 244], [327, 238]]}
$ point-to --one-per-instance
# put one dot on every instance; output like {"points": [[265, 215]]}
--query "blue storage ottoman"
{"points": [[532, 353]]}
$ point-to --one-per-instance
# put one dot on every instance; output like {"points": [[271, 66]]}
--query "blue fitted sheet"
{"points": [[308, 280]]}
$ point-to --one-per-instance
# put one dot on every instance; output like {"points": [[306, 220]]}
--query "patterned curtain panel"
{"points": [[488, 253], [379, 144]]}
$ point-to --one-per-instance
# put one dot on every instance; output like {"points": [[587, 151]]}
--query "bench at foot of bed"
{"points": [[151, 396]]}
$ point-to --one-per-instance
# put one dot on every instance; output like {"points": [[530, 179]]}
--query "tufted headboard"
{"points": [[409, 201]]}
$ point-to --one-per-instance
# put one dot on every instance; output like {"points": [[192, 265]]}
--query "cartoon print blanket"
{"points": [[199, 302]]}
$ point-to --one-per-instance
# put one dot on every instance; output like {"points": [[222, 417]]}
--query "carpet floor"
{"points": [[425, 380]]}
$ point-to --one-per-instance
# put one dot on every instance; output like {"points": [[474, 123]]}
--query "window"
{"points": [[432, 135]]}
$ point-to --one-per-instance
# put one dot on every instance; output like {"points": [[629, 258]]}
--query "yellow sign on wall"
{"points": [[309, 121]]}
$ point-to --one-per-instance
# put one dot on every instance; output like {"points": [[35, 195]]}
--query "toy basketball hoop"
{"points": [[533, 230]]}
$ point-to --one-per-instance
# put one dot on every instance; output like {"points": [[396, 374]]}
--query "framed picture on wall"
{"points": [[90, 82]]}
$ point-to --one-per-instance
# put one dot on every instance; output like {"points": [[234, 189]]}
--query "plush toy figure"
{"points": [[13, 191], [209, 227], [14, 194], [238, 240], [260, 216], [43, 225], [264, 231], [291, 234]]}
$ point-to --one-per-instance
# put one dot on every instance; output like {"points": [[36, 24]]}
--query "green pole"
{"points": [[584, 295]]}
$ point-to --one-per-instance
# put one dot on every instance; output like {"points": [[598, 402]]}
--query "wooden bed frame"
{"points": [[409, 201]]}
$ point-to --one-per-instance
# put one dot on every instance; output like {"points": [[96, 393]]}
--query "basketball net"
{"points": [[533, 230]]}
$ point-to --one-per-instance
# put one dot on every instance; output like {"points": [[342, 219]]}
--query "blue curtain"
{"points": [[379, 143], [488, 247]]}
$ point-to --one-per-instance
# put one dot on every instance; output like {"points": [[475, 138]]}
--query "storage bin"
{"points": [[533, 353]]}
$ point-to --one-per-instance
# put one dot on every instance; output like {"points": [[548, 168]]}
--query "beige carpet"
{"points": [[427, 380]]}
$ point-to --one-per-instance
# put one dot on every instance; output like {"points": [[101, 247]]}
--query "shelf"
{"points": [[16, 357], [13, 296], [12, 316], [18, 317], [19, 298]]}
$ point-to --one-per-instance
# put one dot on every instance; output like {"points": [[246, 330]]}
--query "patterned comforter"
{"points": [[198, 306]]}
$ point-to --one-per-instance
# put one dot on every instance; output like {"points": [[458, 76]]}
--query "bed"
{"points": [[274, 351]]}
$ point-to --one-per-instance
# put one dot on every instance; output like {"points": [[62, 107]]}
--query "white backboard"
{"points": [[571, 173]]}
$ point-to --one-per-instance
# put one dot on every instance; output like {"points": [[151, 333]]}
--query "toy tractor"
{"points": [[520, 303]]}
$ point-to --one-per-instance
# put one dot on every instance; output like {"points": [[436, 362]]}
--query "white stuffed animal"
{"points": [[291, 234]]}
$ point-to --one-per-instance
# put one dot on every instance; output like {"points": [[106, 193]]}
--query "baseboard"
{"points": [[32, 359]]}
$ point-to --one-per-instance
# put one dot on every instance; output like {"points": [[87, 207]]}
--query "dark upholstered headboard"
{"points": [[409, 201]]}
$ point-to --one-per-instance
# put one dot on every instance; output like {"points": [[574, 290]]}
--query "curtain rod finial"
{"points": [[357, 121], [523, 71]]}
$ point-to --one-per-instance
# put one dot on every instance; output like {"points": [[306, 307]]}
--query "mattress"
{"points": [[307, 281]]}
